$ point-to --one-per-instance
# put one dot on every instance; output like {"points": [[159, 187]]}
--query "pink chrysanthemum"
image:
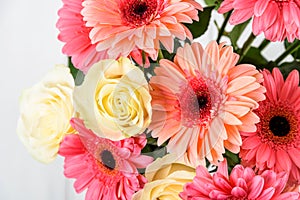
{"points": [[242, 183], [108, 169], [276, 143], [120, 26], [76, 36], [277, 19], [202, 100]]}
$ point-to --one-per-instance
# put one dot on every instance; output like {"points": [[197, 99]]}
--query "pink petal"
{"points": [[295, 155], [260, 7], [266, 194], [238, 192], [226, 6], [290, 83], [240, 16], [288, 195], [278, 78], [256, 187], [263, 153], [221, 182], [283, 161], [223, 168], [83, 181]]}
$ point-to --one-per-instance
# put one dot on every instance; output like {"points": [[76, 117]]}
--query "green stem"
{"points": [[143, 60], [222, 29], [264, 44], [160, 55], [292, 48], [246, 46]]}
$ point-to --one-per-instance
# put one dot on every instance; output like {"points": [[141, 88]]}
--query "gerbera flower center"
{"points": [[138, 12], [280, 3], [140, 9], [108, 159], [195, 103], [279, 126]]}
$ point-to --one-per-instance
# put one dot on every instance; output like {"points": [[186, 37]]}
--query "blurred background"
{"points": [[29, 48]]}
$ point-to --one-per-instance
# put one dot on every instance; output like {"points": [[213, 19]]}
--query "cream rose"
{"points": [[114, 99], [166, 177], [45, 112]]}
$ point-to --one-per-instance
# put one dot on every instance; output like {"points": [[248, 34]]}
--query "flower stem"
{"points": [[246, 46], [222, 29], [264, 44], [292, 48], [143, 60], [160, 55]]}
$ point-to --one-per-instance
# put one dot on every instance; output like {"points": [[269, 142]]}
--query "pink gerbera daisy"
{"points": [[108, 169], [276, 142], [120, 26], [202, 100], [76, 36], [277, 19], [242, 183]]}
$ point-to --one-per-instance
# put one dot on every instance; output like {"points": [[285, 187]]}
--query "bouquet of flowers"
{"points": [[145, 111]]}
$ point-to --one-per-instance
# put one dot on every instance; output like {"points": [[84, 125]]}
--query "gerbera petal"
{"points": [[291, 82], [283, 162], [104, 161], [295, 155], [221, 93], [277, 20], [260, 7], [240, 16], [75, 35], [118, 30]]}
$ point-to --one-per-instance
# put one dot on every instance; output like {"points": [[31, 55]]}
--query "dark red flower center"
{"points": [[107, 159], [138, 12], [195, 103], [280, 126], [140, 8]]}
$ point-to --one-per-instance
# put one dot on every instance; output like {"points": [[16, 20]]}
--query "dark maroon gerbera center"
{"points": [[279, 126], [107, 159], [138, 12], [195, 103]]}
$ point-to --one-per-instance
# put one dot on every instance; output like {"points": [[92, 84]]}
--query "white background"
{"points": [[28, 49]]}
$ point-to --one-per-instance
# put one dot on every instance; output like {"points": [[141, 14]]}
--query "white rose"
{"points": [[166, 178], [45, 112], [114, 99]]}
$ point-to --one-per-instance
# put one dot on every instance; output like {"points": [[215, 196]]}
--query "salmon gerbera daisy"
{"points": [[121, 26], [277, 19], [202, 100], [107, 169], [276, 142], [75, 35]]}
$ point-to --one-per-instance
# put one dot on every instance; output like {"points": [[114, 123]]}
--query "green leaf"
{"points": [[287, 67], [232, 160], [295, 54], [198, 28], [215, 3], [166, 54], [254, 57], [236, 33], [78, 75]]}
